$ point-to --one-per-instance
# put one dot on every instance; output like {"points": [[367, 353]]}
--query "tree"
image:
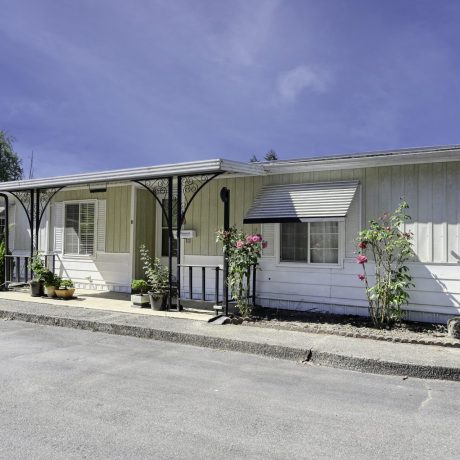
{"points": [[254, 159], [10, 163], [271, 155]]}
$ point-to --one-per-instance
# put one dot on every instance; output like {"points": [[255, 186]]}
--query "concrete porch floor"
{"points": [[102, 300]]}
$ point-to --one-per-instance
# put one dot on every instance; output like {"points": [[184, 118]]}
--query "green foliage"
{"points": [[139, 287], [391, 249], [50, 279], [66, 284], [271, 155], [242, 252], [2, 261], [38, 267], [10, 163], [156, 273]]}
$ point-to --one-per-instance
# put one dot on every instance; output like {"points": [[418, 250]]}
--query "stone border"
{"points": [[264, 349]]}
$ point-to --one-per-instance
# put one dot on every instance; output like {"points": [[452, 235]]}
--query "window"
{"points": [[79, 228], [310, 242], [164, 230]]}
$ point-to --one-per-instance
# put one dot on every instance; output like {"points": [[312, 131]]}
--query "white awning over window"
{"points": [[302, 202]]}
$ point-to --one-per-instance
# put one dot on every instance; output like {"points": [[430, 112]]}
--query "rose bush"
{"points": [[391, 248], [242, 252]]}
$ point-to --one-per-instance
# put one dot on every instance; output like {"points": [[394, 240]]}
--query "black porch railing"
{"points": [[206, 284], [18, 269]]}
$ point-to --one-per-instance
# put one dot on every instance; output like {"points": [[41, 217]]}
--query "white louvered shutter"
{"points": [[268, 234], [101, 225], [58, 227]]}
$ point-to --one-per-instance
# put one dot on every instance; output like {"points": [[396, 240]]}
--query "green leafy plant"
{"points": [[66, 284], [157, 274], [139, 287], [2, 261], [38, 267], [50, 279], [242, 252], [391, 249]]}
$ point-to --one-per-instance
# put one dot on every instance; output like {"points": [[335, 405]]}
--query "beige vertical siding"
{"points": [[432, 190], [145, 227], [118, 202]]}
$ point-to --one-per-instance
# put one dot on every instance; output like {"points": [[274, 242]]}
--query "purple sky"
{"points": [[90, 85]]}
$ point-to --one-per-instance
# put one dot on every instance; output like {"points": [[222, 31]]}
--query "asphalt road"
{"points": [[68, 394]]}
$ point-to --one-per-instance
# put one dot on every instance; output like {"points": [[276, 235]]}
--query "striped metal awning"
{"points": [[302, 202]]}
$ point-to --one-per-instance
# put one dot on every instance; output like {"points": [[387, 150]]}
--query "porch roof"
{"points": [[121, 175]]}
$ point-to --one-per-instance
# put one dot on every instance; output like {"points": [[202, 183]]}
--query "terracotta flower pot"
{"points": [[64, 293]]}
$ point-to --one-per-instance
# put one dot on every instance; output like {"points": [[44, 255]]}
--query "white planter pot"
{"points": [[140, 300]]}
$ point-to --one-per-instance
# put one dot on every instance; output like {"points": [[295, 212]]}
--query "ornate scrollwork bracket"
{"points": [[191, 186], [157, 187]]}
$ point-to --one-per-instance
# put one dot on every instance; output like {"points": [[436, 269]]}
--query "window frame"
{"points": [[73, 255], [341, 249]]}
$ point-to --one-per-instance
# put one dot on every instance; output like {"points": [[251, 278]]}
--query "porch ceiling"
{"points": [[121, 175]]}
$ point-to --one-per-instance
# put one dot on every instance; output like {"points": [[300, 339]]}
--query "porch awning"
{"points": [[301, 202]]}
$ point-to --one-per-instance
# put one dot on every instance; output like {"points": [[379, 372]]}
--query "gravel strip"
{"points": [[354, 326]]}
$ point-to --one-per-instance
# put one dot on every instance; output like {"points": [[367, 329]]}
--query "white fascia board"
{"points": [[365, 161], [121, 175]]}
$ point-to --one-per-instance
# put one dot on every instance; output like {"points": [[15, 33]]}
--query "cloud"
{"points": [[293, 82]]}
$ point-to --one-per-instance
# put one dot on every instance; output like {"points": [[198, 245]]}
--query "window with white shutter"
{"points": [[79, 228]]}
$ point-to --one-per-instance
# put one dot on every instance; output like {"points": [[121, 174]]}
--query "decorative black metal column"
{"points": [[179, 217], [170, 239], [225, 197]]}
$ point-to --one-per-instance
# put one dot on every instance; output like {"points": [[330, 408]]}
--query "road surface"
{"points": [[70, 394]]}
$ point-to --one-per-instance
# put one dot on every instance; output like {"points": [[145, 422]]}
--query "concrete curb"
{"points": [[303, 355]]}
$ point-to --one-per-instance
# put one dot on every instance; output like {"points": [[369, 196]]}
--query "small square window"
{"points": [[310, 242]]}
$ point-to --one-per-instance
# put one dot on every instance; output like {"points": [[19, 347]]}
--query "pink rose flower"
{"points": [[257, 238], [361, 259], [249, 239], [362, 276], [239, 244], [264, 244], [362, 245]]}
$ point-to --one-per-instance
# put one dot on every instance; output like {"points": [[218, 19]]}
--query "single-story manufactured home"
{"points": [[308, 210]]}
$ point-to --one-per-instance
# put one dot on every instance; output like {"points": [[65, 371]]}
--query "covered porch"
{"points": [[173, 188]]}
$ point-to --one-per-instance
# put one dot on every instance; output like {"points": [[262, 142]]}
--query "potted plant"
{"points": [[139, 296], [158, 279], [52, 282], [39, 270], [65, 290]]}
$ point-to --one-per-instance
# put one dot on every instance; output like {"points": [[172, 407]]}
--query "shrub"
{"points": [[66, 284], [242, 252], [139, 287], [38, 267], [2, 261], [391, 248], [156, 273]]}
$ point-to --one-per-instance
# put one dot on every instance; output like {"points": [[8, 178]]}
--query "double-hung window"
{"points": [[310, 242], [79, 228]]}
